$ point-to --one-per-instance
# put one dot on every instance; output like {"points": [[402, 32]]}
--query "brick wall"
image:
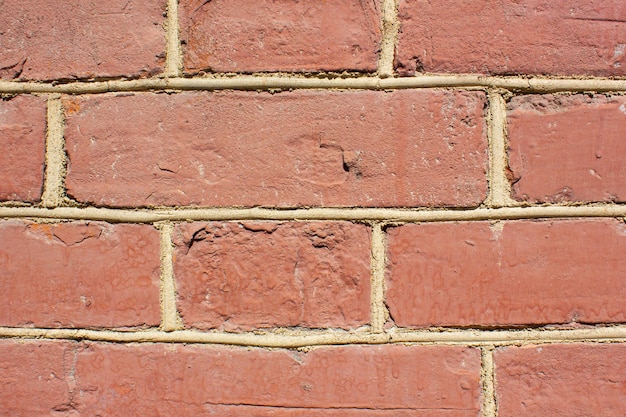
{"points": [[281, 208]]}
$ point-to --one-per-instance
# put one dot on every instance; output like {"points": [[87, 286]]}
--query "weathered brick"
{"points": [[567, 148], [511, 37], [78, 275], [246, 275], [508, 273], [22, 139], [35, 377], [116, 380], [304, 148], [81, 38], [561, 380], [280, 35]]}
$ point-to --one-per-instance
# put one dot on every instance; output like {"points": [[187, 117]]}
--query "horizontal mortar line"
{"points": [[313, 338], [331, 337], [270, 82], [512, 337], [346, 214]]}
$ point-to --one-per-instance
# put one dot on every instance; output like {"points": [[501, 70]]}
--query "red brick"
{"points": [[78, 275], [561, 380], [241, 276], [304, 148], [283, 35], [81, 38], [35, 378], [22, 139], [511, 37], [568, 148], [116, 380], [511, 273]]}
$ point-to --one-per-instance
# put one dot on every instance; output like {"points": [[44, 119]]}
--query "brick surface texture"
{"points": [[35, 376], [115, 380], [517, 272], [566, 380], [512, 37], [582, 136], [282, 208], [326, 149], [79, 275], [81, 39], [228, 275], [280, 35], [22, 137]]}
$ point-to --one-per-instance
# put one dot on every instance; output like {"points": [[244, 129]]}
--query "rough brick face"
{"points": [[78, 275], [561, 380], [22, 140], [512, 37], [244, 276], [510, 273], [81, 38], [280, 35], [35, 377], [415, 380], [568, 148], [405, 148]]}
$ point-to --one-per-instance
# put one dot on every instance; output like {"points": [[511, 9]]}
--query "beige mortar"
{"points": [[487, 376], [340, 214], [379, 312], [170, 319], [173, 52], [56, 162], [296, 338], [289, 82], [390, 26], [499, 186]]}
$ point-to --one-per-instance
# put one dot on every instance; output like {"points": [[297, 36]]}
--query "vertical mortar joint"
{"points": [[389, 30], [173, 52], [499, 185], [378, 309], [487, 379], [170, 320], [54, 194]]}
